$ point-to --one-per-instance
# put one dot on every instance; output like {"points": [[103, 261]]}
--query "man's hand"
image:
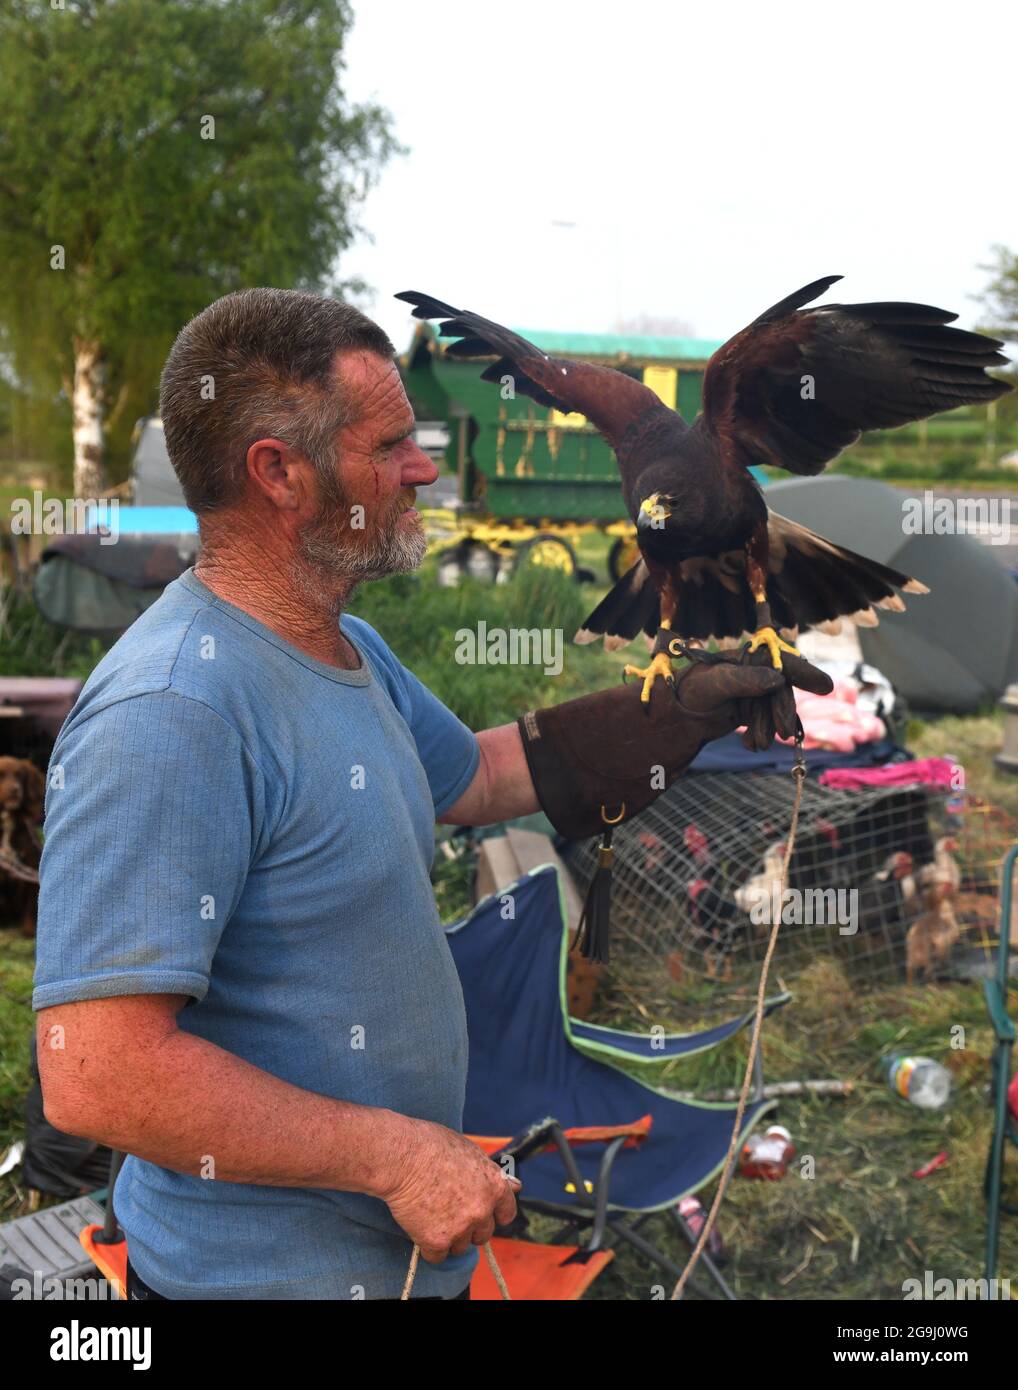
{"points": [[446, 1193], [768, 715]]}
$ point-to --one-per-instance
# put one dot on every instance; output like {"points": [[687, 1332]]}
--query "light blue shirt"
{"points": [[230, 819]]}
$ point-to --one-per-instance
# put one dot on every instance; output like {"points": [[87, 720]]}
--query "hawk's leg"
{"points": [[756, 574], [660, 664]]}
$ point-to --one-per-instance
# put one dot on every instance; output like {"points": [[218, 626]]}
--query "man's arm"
{"points": [[502, 787], [124, 1074]]}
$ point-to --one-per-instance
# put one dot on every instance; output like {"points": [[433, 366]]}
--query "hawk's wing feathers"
{"points": [[609, 399], [799, 385]]}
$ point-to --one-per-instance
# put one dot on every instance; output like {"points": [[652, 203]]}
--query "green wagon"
{"points": [[530, 479]]}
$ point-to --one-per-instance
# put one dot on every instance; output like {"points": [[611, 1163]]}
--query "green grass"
{"points": [[31, 646], [862, 1224], [421, 622]]}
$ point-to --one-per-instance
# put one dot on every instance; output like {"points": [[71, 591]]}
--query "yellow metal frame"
{"points": [[444, 526]]}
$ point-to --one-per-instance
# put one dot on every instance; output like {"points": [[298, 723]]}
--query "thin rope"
{"points": [[799, 773], [411, 1273], [499, 1278]]}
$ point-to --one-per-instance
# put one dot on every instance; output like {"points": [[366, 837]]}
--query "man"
{"points": [[242, 978]]}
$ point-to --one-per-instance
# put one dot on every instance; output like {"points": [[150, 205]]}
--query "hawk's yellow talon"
{"points": [[767, 637], [660, 666]]}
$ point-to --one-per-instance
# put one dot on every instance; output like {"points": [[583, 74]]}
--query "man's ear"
{"points": [[279, 473]]}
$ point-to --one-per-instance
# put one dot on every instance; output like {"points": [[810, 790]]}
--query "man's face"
{"points": [[366, 525]]}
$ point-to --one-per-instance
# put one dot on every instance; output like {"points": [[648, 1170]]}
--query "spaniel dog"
{"points": [[22, 791]]}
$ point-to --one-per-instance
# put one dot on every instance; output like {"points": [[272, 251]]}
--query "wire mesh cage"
{"points": [[901, 883]]}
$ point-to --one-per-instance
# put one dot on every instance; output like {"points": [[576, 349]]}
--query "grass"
{"points": [[31, 646], [861, 1224]]}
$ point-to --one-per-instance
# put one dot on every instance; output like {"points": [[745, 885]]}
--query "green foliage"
{"points": [[420, 622], [31, 646], [1000, 299], [104, 151], [928, 469]]}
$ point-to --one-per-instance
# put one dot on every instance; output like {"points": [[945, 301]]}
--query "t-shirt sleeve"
{"points": [[446, 747], [153, 812]]}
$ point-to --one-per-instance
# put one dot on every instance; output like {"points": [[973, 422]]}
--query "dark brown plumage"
{"points": [[792, 390]]}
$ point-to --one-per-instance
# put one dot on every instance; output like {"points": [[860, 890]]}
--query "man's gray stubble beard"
{"points": [[330, 568]]}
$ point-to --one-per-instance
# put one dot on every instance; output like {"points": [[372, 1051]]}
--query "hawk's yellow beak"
{"points": [[653, 508]]}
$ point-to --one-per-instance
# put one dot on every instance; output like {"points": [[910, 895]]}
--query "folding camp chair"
{"points": [[1005, 1125], [526, 1062]]}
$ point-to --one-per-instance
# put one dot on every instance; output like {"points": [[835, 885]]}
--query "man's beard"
{"points": [[330, 562]]}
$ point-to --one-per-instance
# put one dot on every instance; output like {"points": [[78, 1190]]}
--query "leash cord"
{"points": [[799, 773], [415, 1256]]}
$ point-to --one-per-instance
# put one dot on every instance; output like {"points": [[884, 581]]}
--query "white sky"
{"points": [[713, 157]]}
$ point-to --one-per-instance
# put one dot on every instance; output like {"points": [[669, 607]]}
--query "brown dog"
{"points": [[22, 791]]}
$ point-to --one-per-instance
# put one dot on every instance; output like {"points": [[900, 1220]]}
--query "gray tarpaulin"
{"points": [[953, 649]]}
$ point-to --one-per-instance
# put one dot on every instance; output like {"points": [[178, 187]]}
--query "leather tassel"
{"points": [[594, 930]]}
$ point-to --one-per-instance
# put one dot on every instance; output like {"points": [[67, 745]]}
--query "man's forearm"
{"points": [[188, 1105], [502, 787]]}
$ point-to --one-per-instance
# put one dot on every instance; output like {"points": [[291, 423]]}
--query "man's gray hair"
{"points": [[257, 364]]}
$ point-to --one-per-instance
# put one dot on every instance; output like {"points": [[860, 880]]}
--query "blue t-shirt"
{"points": [[229, 819]]}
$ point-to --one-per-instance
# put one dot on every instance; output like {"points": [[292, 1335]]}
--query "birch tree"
{"points": [[154, 156]]}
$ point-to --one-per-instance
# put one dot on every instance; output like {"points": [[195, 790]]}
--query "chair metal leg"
{"points": [[995, 1160], [1001, 1071], [705, 1258], [627, 1233], [111, 1233]]}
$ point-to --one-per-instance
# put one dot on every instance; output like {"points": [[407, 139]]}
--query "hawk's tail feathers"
{"points": [[627, 610]]}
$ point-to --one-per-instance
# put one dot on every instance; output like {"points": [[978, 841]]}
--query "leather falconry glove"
{"points": [[597, 761]]}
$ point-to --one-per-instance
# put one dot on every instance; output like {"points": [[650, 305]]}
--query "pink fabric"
{"points": [[835, 721], [930, 772]]}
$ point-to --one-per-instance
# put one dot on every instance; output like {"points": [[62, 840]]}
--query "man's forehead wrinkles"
{"points": [[381, 392]]}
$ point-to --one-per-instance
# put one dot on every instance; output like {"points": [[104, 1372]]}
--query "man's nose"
{"points": [[418, 471]]}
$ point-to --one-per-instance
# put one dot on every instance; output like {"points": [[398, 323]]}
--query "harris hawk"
{"points": [[791, 390]]}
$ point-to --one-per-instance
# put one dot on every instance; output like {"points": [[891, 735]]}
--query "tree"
{"points": [[154, 156], [1000, 298], [1000, 314]]}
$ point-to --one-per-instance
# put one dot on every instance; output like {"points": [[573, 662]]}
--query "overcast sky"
{"points": [[712, 157]]}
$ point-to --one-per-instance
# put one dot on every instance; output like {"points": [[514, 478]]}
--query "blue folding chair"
{"points": [[526, 1063]]}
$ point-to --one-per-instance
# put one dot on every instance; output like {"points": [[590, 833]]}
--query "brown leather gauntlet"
{"points": [[604, 757]]}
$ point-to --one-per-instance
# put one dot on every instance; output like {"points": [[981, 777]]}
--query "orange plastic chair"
{"points": [[110, 1259], [547, 1273]]}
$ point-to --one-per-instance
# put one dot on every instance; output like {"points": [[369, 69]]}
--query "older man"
{"points": [[242, 977]]}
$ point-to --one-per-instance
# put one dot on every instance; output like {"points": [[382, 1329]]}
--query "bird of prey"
{"points": [[792, 390]]}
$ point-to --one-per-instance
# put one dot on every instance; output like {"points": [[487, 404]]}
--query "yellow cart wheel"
{"points": [[546, 550]]}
